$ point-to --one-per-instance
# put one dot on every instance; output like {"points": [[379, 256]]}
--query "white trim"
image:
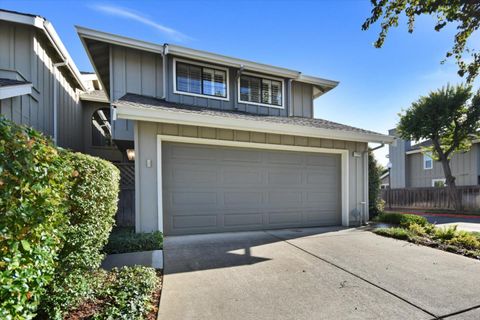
{"points": [[136, 147], [204, 56], [282, 81], [414, 151], [174, 66], [425, 160], [343, 152], [156, 115], [15, 90], [436, 180]]}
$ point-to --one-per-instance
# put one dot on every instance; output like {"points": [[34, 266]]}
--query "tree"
{"points": [[374, 171], [465, 14], [450, 118]]}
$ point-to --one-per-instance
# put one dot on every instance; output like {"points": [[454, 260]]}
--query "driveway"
{"points": [[317, 273]]}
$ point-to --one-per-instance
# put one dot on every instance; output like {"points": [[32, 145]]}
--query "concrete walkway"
{"points": [[319, 273]]}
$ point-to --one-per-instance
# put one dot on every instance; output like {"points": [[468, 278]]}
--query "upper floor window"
{"points": [[427, 162], [101, 129], [261, 91], [200, 80]]}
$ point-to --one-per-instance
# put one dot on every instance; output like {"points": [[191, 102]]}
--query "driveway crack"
{"points": [[459, 312], [362, 278]]}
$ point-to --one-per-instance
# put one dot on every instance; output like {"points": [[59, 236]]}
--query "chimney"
{"points": [[397, 158]]}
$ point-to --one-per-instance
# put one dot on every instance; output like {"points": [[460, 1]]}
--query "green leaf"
{"points": [[26, 245]]}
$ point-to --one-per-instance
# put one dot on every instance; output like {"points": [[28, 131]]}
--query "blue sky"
{"points": [[321, 38]]}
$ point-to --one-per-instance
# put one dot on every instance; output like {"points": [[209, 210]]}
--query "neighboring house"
{"points": [[414, 168], [385, 180], [224, 144]]}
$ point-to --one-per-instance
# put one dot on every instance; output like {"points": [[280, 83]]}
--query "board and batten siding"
{"points": [[302, 102], [464, 167], [146, 149], [25, 55]]}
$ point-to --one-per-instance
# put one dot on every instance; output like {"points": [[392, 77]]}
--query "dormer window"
{"points": [[260, 91], [200, 80], [427, 162]]}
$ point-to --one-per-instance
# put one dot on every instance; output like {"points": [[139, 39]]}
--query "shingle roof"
{"points": [[139, 101], [426, 143], [10, 82]]}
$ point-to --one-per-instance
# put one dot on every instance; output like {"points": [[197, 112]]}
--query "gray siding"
{"points": [[25, 55], [464, 168], [302, 102], [397, 158], [146, 149]]}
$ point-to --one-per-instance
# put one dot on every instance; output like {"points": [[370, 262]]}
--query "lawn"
{"points": [[417, 229]]}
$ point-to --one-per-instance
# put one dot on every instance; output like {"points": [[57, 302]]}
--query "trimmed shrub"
{"points": [[126, 240], [397, 233], [33, 185], [128, 292], [417, 229], [466, 240], [401, 219], [92, 205], [445, 233]]}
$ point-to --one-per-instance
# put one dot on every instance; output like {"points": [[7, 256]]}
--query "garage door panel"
{"points": [[215, 189]]}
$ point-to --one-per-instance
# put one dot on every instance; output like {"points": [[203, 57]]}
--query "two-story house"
{"points": [[412, 167], [226, 144]]}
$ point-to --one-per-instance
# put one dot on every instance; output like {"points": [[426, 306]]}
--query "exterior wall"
{"points": [[146, 151], [25, 55], [302, 102], [397, 158], [110, 153], [464, 168]]}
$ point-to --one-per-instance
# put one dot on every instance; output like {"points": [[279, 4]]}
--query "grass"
{"points": [[126, 240], [419, 231]]}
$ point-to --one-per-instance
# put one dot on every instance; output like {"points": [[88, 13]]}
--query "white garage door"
{"points": [[219, 189]]}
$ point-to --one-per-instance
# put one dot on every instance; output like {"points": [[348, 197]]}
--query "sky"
{"points": [[321, 38]]}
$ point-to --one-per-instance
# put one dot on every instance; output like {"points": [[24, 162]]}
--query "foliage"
{"points": [[397, 233], [92, 205], [417, 229], [449, 118], [127, 292], [465, 15], [445, 233], [126, 240], [374, 171], [33, 185], [403, 220], [465, 239]]}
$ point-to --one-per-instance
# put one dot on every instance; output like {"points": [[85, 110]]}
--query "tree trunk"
{"points": [[451, 185]]}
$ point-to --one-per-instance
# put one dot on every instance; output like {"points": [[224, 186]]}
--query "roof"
{"points": [[419, 146], [95, 95], [10, 82], [138, 107], [92, 40], [47, 28]]}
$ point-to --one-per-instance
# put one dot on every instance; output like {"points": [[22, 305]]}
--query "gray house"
{"points": [[413, 168], [224, 144]]}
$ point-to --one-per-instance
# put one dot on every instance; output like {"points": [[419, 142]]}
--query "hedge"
{"points": [[92, 205], [123, 240], [404, 220], [33, 188]]}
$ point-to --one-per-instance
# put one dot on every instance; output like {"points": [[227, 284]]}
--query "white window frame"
{"points": [[425, 161], [227, 79], [442, 180], [259, 103]]}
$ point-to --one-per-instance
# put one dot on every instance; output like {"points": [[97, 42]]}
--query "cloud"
{"points": [[132, 15]]}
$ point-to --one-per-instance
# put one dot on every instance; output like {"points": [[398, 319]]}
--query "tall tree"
{"points": [[450, 118], [465, 14]]}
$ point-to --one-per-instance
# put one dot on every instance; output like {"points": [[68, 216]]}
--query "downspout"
{"points": [[366, 214], [55, 99], [164, 71]]}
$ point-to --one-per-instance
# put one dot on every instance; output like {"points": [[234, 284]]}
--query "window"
{"points": [[261, 91], [427, 162], [101, 129], [439, 183], [195, 79]]}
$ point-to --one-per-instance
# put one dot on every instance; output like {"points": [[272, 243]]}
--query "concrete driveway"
{"points": [[319, 273]]}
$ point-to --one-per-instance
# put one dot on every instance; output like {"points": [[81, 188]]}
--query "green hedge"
{"points": [[404, 220], [33, 186], [126, 240], [92, 205]]}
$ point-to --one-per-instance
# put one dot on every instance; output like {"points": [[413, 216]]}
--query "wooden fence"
{"points": [[125, 216], [430, 198]]}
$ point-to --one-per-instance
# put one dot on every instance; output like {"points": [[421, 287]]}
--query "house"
{"points": [[225, 144], [412, 167]]}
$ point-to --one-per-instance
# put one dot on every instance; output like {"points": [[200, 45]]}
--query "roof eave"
{"points": [[125, 111]]}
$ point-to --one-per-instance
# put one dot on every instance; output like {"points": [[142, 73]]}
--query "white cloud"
{"points": [[132, 15]]}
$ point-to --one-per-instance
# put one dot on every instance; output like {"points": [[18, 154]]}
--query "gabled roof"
{"points": [[93, 40], [47, 29], [137, 107]]}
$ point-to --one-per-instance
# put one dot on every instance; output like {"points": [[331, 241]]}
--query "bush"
{"points": [[92, 205], [397, 233], [127, 293], [445, 233], [403, 220], [126, 240], [417, 229], [466, 240], [374, 172], [33, 185]]}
